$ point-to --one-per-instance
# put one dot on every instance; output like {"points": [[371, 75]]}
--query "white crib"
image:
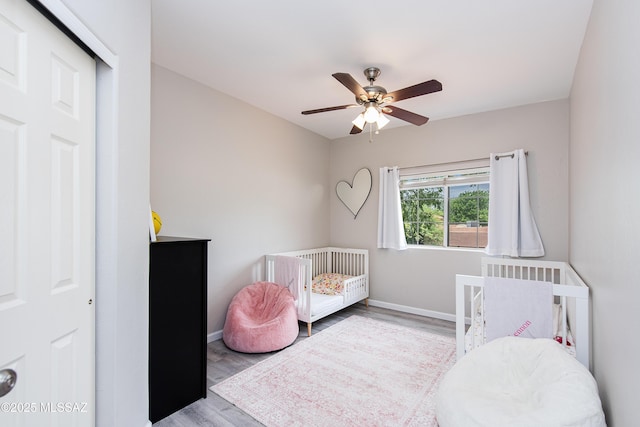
{"points": [[569, 290], [312, 306]]}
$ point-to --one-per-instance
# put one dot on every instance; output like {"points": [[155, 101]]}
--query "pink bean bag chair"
{"points": [[261, 318]]}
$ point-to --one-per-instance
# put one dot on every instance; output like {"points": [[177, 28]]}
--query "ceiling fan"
{"points": [[375, 100]]}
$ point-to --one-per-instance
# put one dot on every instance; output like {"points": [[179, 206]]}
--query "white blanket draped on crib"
{"points": [[288, 274], [512, 228], [515, 307]]}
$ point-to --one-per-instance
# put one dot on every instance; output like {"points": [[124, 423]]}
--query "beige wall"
{"points": [[222, 169], [216, 162], [424, 278], [605, 200]]}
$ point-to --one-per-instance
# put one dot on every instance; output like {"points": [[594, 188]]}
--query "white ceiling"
{"points": [[279, 55]]}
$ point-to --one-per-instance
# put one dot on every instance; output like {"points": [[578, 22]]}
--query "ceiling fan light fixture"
{"points": [[359, 121], [371, 113], [382, 121], [373, 99]]}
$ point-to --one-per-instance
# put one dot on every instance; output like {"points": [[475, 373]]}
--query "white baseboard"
{"points": [[217, 335], [214, 336], [413, 310]]}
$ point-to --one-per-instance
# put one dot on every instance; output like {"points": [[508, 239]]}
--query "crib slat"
{"points": [[563, 306]]}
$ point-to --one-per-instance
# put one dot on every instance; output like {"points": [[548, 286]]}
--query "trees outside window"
{"points": [[423, 215]]}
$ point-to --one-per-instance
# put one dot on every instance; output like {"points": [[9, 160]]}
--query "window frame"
{"points": [[445, 175]]}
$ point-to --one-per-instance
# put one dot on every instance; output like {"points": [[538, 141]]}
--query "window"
{"points": [[447, 208]]}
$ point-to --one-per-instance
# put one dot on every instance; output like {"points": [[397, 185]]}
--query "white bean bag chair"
{"points": [[519, 382]]}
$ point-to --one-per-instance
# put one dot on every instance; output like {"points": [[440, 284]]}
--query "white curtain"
{"points": [[390, 226], [512, 228]]}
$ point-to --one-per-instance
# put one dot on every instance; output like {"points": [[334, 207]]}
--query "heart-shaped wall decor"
{"points": [[354, 195]]}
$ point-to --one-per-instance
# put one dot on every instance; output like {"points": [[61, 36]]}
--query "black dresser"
{"points": [[177, 324]]}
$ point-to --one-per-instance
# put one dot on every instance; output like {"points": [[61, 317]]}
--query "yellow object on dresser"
{"points": [[157, 222]]}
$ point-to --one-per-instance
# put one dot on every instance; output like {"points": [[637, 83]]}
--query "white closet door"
{"points": [[47, 222]]}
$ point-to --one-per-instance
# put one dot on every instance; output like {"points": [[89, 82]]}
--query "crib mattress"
{"points": [[322, 303]]}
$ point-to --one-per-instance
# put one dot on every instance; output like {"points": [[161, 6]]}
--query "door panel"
{"points": [[47, 221]]}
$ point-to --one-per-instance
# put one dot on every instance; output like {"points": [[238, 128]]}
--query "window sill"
{"points": [[446, 249]]}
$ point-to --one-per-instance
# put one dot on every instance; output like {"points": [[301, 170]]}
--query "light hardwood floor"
{"points": [[222, 363]]}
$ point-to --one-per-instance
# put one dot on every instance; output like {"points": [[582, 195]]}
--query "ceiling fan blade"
{"points": [[322, 110], [416, 90], [351, 84], [405, 115], [355, 130]]}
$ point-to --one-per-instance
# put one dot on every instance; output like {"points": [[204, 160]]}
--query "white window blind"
{"points": [[466, 172]]}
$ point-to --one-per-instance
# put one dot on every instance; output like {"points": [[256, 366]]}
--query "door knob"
{"points": [[8, 378]]}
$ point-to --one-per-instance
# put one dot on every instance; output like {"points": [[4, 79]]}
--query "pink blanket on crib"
{"points": [[515, 307]]}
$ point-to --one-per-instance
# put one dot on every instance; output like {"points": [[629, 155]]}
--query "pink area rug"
{"points": [[359, 372]]}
